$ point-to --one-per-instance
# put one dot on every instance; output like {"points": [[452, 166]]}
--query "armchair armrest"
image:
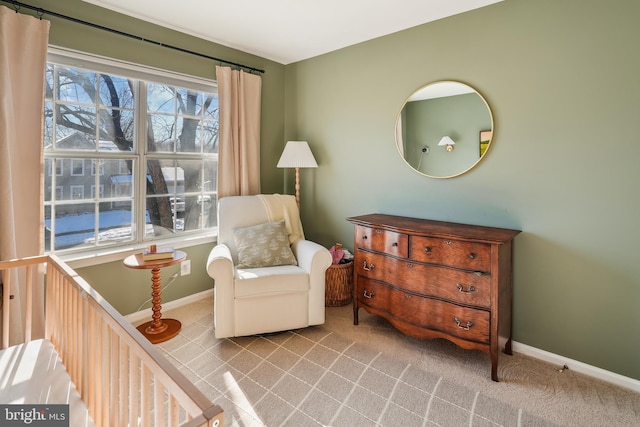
{"points": [[221, 269], [220, 264], [311, 256], [314, 259]]}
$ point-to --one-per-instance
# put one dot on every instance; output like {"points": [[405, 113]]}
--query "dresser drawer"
{"points": [[463, 322], [379, 240], [455, 253], [464, 287], [376, 266]]}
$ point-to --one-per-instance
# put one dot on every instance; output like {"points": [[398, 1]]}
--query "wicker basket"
{"points": [[338, 284]]}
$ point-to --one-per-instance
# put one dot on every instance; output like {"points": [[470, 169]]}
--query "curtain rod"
{"points": [[41, 12]]}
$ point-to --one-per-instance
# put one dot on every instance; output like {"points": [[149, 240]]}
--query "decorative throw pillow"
{"points": [[263, 245]]}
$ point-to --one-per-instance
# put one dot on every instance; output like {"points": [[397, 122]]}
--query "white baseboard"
{"points": [[574, 365], [147, 313]]}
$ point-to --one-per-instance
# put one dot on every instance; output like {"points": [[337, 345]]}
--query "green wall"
{"points": [[128, 289], [561, 78]]}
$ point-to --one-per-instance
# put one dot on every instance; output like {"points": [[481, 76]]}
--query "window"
{"points": [[100, 189], [77, 167], [77, 192], [96, 167], [58, 168], [141, 148]]}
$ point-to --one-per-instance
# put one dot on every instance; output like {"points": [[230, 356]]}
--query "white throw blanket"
{"points": [[284, 207]]}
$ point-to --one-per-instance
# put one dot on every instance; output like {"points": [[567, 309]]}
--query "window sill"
{"points": [[117, 254]]}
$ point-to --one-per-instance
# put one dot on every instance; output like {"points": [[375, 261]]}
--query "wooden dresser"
{"points": [[434, 279]]}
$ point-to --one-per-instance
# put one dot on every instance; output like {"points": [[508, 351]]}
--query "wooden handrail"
{"points": [[119, 374]]}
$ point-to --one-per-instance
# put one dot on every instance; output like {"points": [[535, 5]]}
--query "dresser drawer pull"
{"points": [[364, 237], [370, 295], [481, 273], [394, 244], [367, 267], [459, 323], [427, 249], [472, 255], [470, 290], [448, 242]]}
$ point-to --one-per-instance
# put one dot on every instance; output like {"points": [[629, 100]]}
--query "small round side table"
{"points": [[157, 330]]}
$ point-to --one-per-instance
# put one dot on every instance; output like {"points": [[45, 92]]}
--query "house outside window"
{"points": [[123, 168], [149, 140]]}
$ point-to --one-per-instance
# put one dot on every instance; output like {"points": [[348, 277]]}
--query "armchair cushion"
{"points": [[270, 281], [263, 245]]}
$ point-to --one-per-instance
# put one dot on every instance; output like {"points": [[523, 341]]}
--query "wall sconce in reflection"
{"points": [[448, 142]]}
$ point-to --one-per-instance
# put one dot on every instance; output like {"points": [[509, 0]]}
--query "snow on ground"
{"points": [[78, 229]]}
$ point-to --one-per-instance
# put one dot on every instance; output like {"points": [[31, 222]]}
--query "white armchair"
{"points": [[254, 300]]}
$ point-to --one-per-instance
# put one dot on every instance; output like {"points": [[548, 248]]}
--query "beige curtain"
{"points": [[23, 58], [239, 96]]}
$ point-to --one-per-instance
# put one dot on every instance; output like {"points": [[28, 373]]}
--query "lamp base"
{"points": [[298, 187]]}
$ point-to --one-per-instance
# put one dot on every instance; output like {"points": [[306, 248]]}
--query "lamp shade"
{"points": [[297, 154], [446, 141]]}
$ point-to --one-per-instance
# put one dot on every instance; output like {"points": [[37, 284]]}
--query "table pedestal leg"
{"points": [[159, 329]]}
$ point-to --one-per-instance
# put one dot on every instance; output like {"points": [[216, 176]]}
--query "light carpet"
{"points": [[338, 374]]}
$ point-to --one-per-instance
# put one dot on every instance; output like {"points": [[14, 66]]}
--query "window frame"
{"points": [[96, 255]]}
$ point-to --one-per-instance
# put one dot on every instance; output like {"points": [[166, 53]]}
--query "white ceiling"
{"points": [[288, 31]]}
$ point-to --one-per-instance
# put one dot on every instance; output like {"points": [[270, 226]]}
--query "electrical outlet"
{"points": [[185, 267]]}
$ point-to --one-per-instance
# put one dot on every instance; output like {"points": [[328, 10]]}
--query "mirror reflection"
{"points": [[444, 129]]}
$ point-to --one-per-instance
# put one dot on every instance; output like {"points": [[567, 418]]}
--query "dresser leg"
{"points": [[495, 352], [507, 347], [355, 314]]}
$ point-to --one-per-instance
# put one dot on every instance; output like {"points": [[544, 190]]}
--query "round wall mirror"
{"points": [[444, 129]]}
